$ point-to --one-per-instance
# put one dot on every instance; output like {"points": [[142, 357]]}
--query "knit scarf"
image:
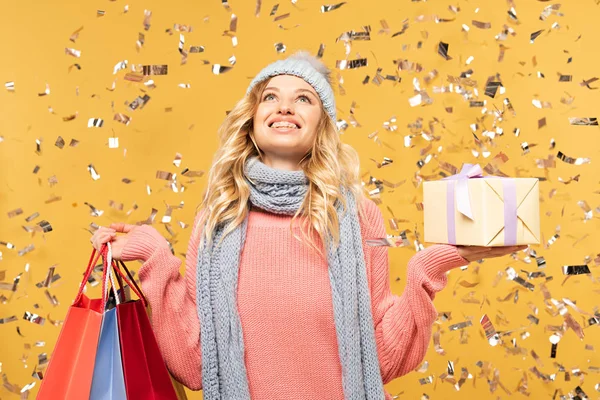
{"points": [[224, 374]]}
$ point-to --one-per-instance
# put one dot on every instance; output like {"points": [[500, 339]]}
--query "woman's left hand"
{"points": [[474, 253]]}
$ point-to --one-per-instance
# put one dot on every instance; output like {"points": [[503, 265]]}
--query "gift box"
{"points": [[470, 209]]}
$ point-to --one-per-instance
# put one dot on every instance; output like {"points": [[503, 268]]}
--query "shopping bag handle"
{"points": [[110, 269], [87, 273], [92, 263], [131, 282], [111, 274]]}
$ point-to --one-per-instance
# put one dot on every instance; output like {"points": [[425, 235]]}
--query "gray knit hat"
{"points": [[306, 66]]}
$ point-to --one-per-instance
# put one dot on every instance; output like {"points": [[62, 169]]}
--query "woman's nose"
{"points": [[284, 108]]}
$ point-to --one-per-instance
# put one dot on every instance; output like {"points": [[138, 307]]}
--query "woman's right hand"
{"points": [[104, 235]]}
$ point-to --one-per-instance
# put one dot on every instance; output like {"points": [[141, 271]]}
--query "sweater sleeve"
{"points": [[172, 299], [403, 324]]}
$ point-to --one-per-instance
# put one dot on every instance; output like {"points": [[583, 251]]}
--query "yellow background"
{"points": [[33, 37]]}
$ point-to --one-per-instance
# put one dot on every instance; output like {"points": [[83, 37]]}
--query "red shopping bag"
{"points": [[145, 372], [69, 372]]}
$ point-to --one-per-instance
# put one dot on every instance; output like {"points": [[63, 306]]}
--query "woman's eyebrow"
{"points": [[297, 90]]}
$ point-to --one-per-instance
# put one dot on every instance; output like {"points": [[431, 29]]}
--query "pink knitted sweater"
{"points": [[286, 310]]}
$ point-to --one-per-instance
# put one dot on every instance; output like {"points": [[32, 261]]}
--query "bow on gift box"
{"points": [[458, 197]]}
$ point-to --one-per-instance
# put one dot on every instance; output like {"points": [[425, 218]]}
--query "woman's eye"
{"points": [[305, 98], [268, 96]]}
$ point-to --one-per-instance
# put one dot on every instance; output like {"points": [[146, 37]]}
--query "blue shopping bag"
{"points": [[108, 382]]}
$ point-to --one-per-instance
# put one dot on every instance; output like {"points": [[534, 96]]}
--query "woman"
{"points": [[272, 309]]}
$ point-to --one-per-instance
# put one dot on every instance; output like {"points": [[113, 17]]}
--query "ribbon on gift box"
{"points": [[458, 197]]}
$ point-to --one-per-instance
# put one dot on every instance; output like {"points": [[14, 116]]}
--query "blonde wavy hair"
{"points": [[328, 165]]}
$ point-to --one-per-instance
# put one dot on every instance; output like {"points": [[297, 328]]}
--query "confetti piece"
{"points": [[328, 8], [351, 64], [95, 176], [575, 269], [75, 34], [490, 333], [443, 50], [164, 175], [6, 320], [280, 17], [45, 92], [570, 160], [155, 69], [571, 179], [34, 318], [460, 325], [188, 173], [219, 69], [147, 18], [119, 66], [534, 35], [588, 213], [51, 298], [15, 212], [512, 275], [140, 42], [280, 48], [27, 249], [587, 82], [541, 104], [583, 121], [437, 345], [55, 322], [70, 117], [72, 52], [122, 118], [45, 226], [482, 25], [95, 123], [553, 350], [140, 102], [391, 241]]}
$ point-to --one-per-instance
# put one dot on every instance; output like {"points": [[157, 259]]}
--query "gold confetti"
{"points": [[351, 64], [140, 102], [482, 25], [460, 325], [34, 318], [534, 35], [280, 47], [186, 172], [583, 121], [72, 52], [94, 211], [443, 50], [92, 170], [575, 269], [570, 160], [55, 322], [75, 34], [15, 212], [147, 17], [124, 119], [95, 123], [328, 8]]}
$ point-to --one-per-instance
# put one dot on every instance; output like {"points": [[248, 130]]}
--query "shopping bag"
{"points": [[69, 372], [145, 372], [108, 382]]}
